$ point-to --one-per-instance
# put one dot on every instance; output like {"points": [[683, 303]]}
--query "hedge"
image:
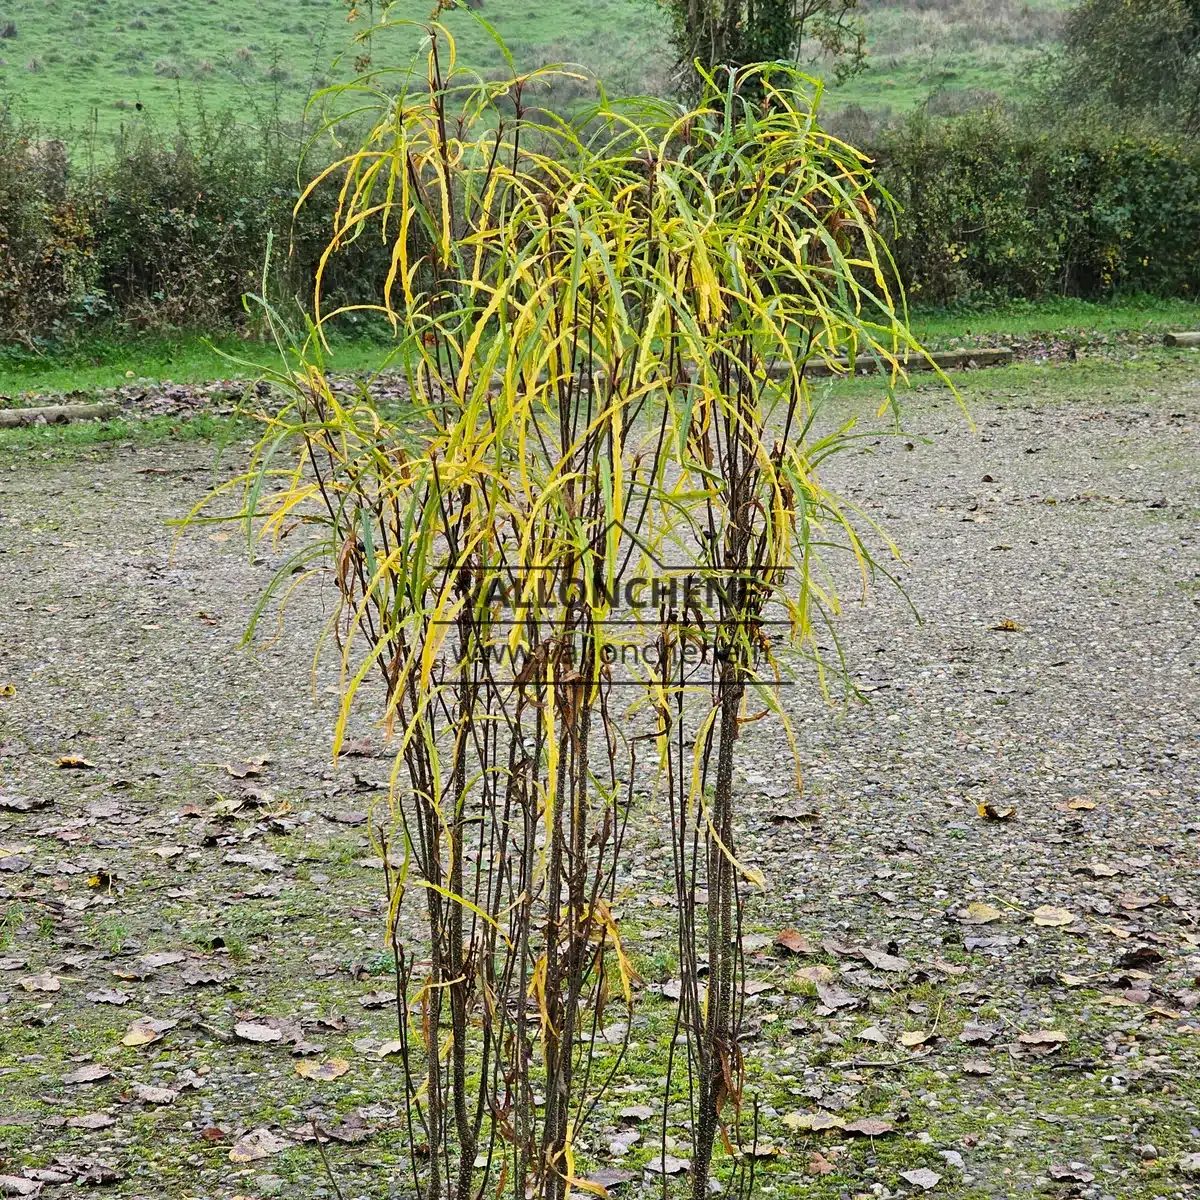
{"points": [[171, 230]]}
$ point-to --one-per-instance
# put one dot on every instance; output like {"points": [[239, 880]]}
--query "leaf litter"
{"points": [[1102, 837]]}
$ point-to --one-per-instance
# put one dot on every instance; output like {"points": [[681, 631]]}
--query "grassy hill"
{"points": [[79, 64]]}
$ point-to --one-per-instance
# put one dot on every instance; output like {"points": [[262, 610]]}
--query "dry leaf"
{"points": [[886, 962], [332, 1068], [816, 974], [811, 1121], [162, 958], [818, 1164], [794, 942], [95, 1120], [259, 1143], [922, 1177], [1006, 626], [992, 813], [393, 1047], [916, 1037], [1051, 917], [45, 982], [664, 1164], [869, 1127], [153, 1095], [88, 1073], [835, 997], [1043, 1037], [1075, 1172], [250, 1031], [145, 1030], [17, 1185], [75, 762], [108, 996], [22, 804], [978, 913], [977, 1066]]}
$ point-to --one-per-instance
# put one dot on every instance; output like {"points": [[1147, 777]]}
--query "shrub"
{"points": [[993, 210]]}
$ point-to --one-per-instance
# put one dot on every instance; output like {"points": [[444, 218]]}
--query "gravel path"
{"points": [[188, 854]]}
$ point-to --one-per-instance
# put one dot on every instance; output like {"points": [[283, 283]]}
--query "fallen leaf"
{"points": [[665, 1164], [201, 973], [1051, 917], [993, 813], [793, 941], [148, 1094], [886, 962], [978, 913], [250, 1031], [388, 1048], [258, 1143], [818, 1164], [1043, 1037], [332, 1068], [975, 1034], [1133, 903], [162, 958], [376, 1000], [922, 1177], [1006, 626], [977, 1066], [872, 1034], [1080, 805], [75, 762], [15, 863], [636, 1112], [88, 1073], [145, 1030], [835, 997], [1071, 1173], [350, 1131], [608, 1177], [916, 1037], [108, 996], [756, 987], [15, 803], [869, 1127], [245, 770], [166, 852], [45, 982], [811, 1121], [95, 1120], [1140, 956], [15, 1185], [1098, 870], [816, 974]]}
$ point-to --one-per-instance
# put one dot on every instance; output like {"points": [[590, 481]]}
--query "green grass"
{"points": [[96, 364], [58, 440], [1145, 315], [91, 65], [87, 67]]}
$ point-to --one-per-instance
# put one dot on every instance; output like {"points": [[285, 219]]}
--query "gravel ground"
{"points": [[1015, 996]]}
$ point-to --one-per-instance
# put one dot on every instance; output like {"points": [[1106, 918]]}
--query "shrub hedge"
{"points": [[170, 229], [992, 210]]}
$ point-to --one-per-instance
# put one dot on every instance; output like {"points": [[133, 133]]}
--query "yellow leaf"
{"points": [[332, 1068], [992, 813], [978, 913], [915, 1037], [1052, 917]]}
